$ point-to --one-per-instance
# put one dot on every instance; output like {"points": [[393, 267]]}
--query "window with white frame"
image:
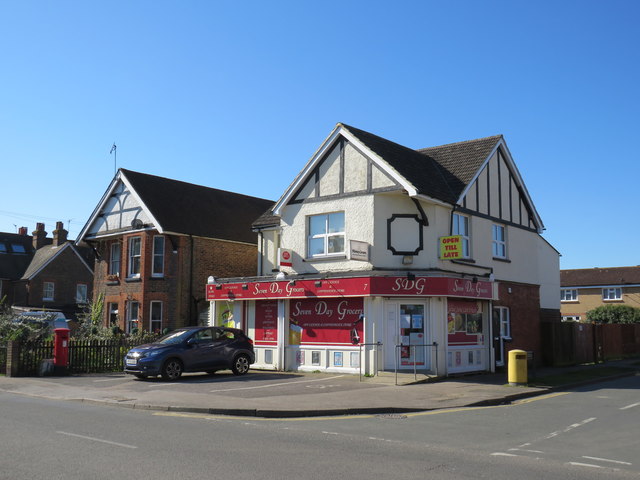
{"points": [[135, 249], [114, 259], [133, 313], [326, 235], [499, 241], [461, 227], [571, 318], [612, 294], [81, 293], [568, 295], [155, 321], [48, 290], [501, 315], [158, 256]]}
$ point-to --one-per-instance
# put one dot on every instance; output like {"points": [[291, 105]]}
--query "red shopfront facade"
{"points": [[331, 324]]}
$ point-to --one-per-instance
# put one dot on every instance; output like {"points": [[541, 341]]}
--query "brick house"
{"points": [[584, 289], [157, 240], [382, 257], [43, 273]]}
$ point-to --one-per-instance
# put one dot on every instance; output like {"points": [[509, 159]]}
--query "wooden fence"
{"points": [[571, 343], [85, 356]]}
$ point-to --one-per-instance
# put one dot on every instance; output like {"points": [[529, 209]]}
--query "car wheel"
{"points": [[172, 369], [240, 365], [140, 376]]}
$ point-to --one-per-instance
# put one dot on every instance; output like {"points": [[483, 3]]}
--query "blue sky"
{"points": [[238, 95]]}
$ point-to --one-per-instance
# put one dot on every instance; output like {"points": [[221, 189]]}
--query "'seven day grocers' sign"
{"points": [[353, 287], [326, 321]]}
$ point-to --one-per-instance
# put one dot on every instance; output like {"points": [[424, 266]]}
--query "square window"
{"points": [[326, 235]]}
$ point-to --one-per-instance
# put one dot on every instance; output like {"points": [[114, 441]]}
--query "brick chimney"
{"points": [[59, 235], [39, 236], [22, 231]]}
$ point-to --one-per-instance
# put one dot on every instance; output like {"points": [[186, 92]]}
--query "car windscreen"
{"points": [[178, 336]]}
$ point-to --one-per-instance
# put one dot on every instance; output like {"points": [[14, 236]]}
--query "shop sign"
{"points": [[285, 257], [358, 250], [451, 247], [326, 321], [354, 287]]}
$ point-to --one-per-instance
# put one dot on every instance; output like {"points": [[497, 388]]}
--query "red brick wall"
{"points": [[523, 302], [182, 288]]}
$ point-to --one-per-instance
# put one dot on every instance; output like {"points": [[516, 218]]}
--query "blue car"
{"points": [[192, 349]]}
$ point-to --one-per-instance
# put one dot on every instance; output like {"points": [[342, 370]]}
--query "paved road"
{"points": [[583, 434]]}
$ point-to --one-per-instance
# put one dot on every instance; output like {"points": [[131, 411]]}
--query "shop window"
{"points": [[461, 227], [355, 359], [499, 242], [114, 259], [48, 290], [568, 295], [337, 359], [612, 294], [158, 256], [155, 321], [326, 235], [135, 250]]}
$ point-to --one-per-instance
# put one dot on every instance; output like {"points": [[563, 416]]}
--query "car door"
{"points": [[222, 351], [199, 351]]}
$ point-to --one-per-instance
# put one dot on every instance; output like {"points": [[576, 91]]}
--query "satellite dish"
{"points": [[136, 223]]}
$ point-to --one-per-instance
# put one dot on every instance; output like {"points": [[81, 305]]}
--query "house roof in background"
{"points": [[585, 277], [189, 209], [13, 265], [45, 255]]}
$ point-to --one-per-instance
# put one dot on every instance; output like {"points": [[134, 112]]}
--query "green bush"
{"points": [[614, 314]]}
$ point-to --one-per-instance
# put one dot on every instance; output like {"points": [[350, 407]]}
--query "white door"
{"points": [[406, 336]]}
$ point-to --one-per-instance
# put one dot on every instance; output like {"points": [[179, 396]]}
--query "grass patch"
{"points": [[576, 376]]}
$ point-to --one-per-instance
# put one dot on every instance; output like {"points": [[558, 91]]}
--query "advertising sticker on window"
{"points": [[336, 321]]}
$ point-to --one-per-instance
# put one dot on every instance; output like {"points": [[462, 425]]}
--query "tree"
{"points": [[614, 314]]}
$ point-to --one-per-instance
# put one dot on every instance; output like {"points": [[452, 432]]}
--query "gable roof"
{"points": [[442, 174], [585, 277], [47, 254], [188, 209]]}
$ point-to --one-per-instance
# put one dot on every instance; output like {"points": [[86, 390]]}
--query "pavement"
{"points": [[292, 394]]}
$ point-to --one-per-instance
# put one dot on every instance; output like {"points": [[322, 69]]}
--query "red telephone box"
{"points": [[61, 350]]}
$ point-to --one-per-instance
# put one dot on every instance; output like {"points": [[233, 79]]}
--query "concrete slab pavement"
{"points": [[274, 394]]}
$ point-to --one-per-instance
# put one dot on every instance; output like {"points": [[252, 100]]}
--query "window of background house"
{"points": [[501, 316], [135, 246], [81, 293], [326, 234], [568, 295], [461, 227], [155, 324], [113, 314], [48, 289], [3, 248], [499, 241], [133, 313], [158, 256], [18, 248], [612, 294], [114, 259]]}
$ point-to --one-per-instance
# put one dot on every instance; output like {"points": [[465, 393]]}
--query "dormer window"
{"points": [[326, 235]]}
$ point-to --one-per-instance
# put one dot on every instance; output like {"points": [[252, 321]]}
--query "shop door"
{"points": [[406, 336]]}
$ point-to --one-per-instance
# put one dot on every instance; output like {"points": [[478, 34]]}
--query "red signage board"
{"points": [[336, 321], [353, 287]]}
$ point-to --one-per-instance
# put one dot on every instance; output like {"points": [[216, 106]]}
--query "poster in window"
{"points": [[416, 321], [337, 359], [327, 320]]}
